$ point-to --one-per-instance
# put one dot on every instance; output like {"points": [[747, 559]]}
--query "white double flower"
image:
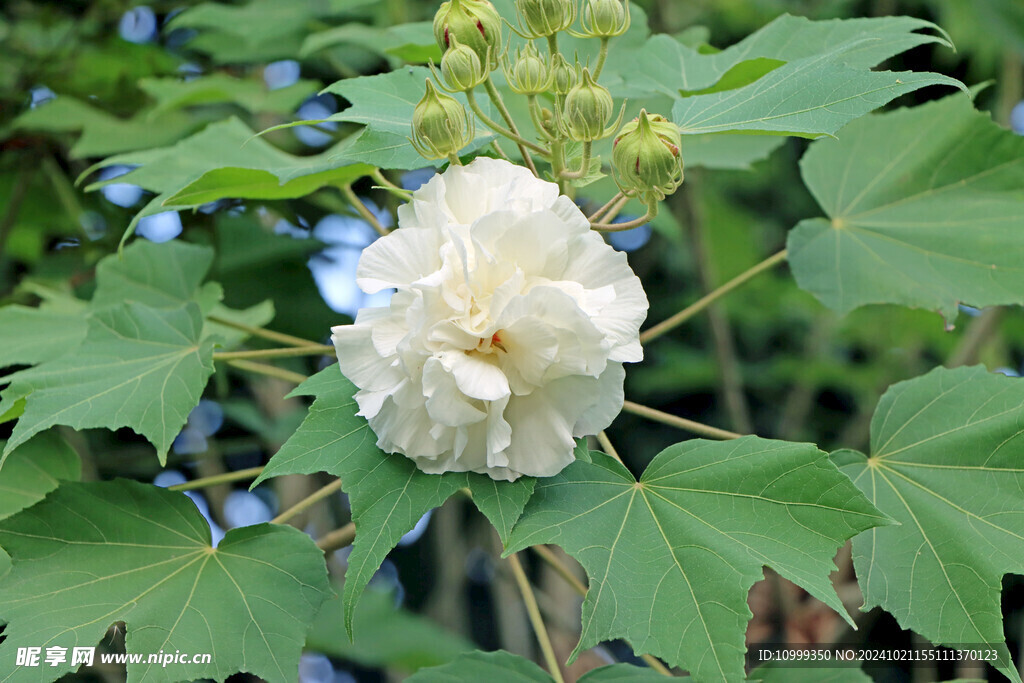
{"points": [[507, 333]]}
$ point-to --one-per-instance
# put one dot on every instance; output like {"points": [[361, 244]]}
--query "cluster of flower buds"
{"points": [[543, 18], [604, 19], [473, 23], [440, 126], [646, 159]]}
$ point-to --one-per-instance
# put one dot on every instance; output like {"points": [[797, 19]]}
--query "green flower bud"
{"points": [[461, 67], [440, 127], [546, 17], [588, 106], [474, 23], [605, 18], [646, 158], [563, 75], [530, 74]]}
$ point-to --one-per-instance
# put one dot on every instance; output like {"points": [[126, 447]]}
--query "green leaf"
{"points": [[779, 672], [946, 453], [925, 209], [166, 275], [140, 554], [665, 65], [139, 367], [387, 493], [228, 144], [103, 133], [219, 88], [808, 97], [34, 469], [249, 183], [672, 557], [626, 673], [734, 152], [411, 42], [385, 104], [484, 666], [385, 635], [33, 335], [230, 337]]}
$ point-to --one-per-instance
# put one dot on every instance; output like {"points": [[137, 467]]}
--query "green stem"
{"points": [[307, 502], [501, 130], [337, 539], [680, 422], [268, 370], [584, 163], [601, 57], [552, 44], [495, 96], [388, 186], [705, 301], [317, 350], [216, 479], [530, 600], [596, 216], [652, 212], [361, 209], [279, 337]]}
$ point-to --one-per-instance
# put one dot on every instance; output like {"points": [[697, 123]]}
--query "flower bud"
{"points": [[563, 75], [646, 158], [440, 127], [474, 23], [588, 106], [530, 74], [605, 18], [546, 17], [461, 67]]}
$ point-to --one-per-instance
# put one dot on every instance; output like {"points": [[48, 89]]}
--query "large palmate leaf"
{"points": [[925, 208], [220, 88], [92, 554], [672, 557], [139, 367], [385, 635], [252, 165], [665, 65], [946, 454], [505, 666], [33, 335], [165, 275], [388, 494], [103, 133], [34, 469]]}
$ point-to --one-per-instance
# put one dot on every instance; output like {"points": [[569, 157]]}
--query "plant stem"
{"points": [[225, 478], [681, 422], [604, 209], [552, 45], [501, 130], [279, 337], [601, 57], [706, 300], [495, 96], [535, 619], [268, 370], [606, 444], [337, 539], [535, 116], [361, 209], [613, 212], [563, 571], [388, 186], [313, 350], [584, 163], [545, 554], [652, 212], [307, 502]]}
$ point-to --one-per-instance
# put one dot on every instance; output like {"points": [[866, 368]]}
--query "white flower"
{"points": [[507, 333]]}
